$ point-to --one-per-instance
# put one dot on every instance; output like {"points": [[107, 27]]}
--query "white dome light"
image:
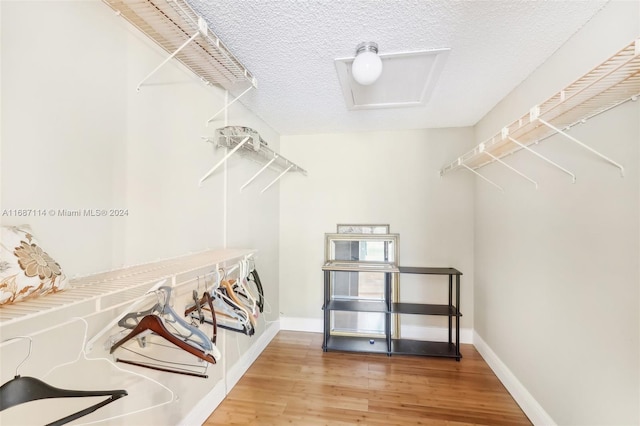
{"points": [[367, 66]]}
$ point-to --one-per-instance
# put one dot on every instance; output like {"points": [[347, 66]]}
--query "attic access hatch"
{"points": [[407, 79]]}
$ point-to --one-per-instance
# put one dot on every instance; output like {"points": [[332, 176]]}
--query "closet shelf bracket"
{"points": [[236, 138], [223, 109], [278, 178], [537, 154], [513, 169], [609, 85], [480, 175], [265, 167], [221, 162], [536, 112], [202, 30]]}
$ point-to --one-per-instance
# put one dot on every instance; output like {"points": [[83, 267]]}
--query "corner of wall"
{"points": [[525, 400]]}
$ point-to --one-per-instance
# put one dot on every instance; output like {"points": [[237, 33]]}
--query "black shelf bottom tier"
{"points": [[398, 346], [356, 344], [425, 309], [357, 305], [424, 348]]}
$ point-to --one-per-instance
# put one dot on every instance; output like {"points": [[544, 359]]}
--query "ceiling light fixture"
{"points": [[367, 66]]}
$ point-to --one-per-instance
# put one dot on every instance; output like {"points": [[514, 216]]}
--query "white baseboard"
{"points": [[525, 400], [234, 374], [203, 409]]}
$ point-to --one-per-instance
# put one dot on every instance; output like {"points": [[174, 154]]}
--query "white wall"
{"points": [[63, 125], [76, 135], [557, 269], [382, 177]]}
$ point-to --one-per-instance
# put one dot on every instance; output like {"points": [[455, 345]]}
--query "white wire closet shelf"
{"points": [[104, 290], [248, 143], [175, 27], [612, 83]]}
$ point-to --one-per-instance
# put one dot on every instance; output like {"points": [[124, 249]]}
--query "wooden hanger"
{"points": [[155, 324], [198, 306], [187, 331], [138, 322]]}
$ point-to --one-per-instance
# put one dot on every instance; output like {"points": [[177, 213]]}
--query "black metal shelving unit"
{"points": [[389, 345], [451, 348]]}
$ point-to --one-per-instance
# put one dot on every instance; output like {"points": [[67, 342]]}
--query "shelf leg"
{"points": [[326, 311], [450, 304], [457, 317], [387, 315]]}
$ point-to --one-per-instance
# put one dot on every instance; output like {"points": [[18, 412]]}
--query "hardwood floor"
{"points": [[294, 382]]}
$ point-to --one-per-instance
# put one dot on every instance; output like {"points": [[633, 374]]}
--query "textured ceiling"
{"points": [[290, 46]]}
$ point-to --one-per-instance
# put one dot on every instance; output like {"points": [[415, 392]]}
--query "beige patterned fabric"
{"points": [[26, 270]]}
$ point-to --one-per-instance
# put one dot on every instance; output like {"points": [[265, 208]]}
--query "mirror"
{"points": [[381, 248]]}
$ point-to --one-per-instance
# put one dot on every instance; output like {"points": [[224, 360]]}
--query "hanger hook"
{"points": [[167, 295], [28, 352], [163, 296], [158, 293]]}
